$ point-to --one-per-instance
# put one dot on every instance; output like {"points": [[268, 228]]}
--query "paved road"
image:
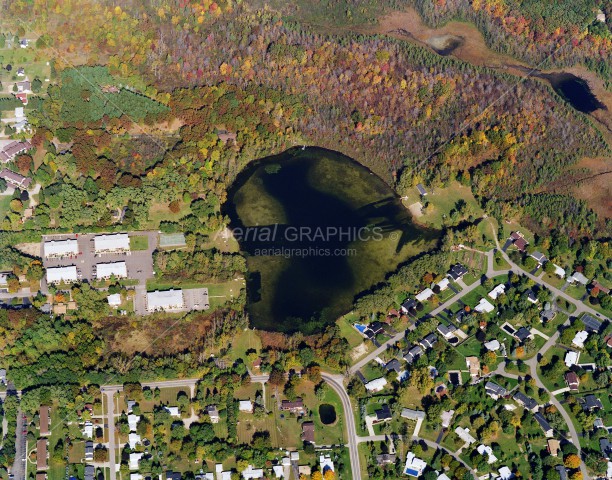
{"points": [[109, 392], [465, 290], [335, 382], [19, 464]]}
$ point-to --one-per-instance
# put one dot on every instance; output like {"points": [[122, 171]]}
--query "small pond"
{"points": [[327, 412]]}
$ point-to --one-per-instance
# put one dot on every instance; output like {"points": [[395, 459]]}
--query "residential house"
{"points": [[296, 406], [447, 331], [21, 72], [385, 459], [326, 463], [600, 287], [67, 274], [525, 401], [495, 391], [539, 257], [3, 376], [245, 406], [393, 365], [410, 414], [572, 381], [544, 425], [488, 451], [226, 136], [213, 413], [443, 284], [547, 315], [42, 455], [408, 305], [522, 334], [571, 358], [473, 365], [531, 297], [505, 473], [383, 414], [41, 476], [374, 329], [590, 403], [24, 86], [578, 277], [424, 295], [308, 432], [133, 440], [173, 411], [497, 291], [257, 363], [446, 416], [376, 385], [14, 179], [251, 473], [421, 189], [457, 272], [591, 324], [605, 447], [413, 354], [580, 338], [464, 434], [414, 466], [44, 416], [113, 243], [89, 472], [11, 150], [519, 241], [114, 300], [107, 270], [429, 341], [492, 345], [134, 460], [89, 450], [61, 248], [553, 446], [88, 429], [484, 306]]}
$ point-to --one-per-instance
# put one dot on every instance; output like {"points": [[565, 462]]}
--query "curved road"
{"points": [[335, 382]]}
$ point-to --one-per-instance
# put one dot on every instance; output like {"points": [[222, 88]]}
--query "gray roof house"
{"points": [[494, 390], [527, 402]]}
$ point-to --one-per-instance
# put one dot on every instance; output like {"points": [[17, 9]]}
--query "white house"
{"points": [[107, 270], [133, 440], [443, 284], [580, 338], [245, 406], [484, 306], [135, 460], [578, 277], [133, 421], [414, 466], [487, 450], [571, 358], [61, 248], [497, 291], [559, 272], [118, 242], [376, 385], [19, 112], [114, 300], [326, 463], [424, 295], [464, 434], [505, 473], [173, 411], [88, 429], [62, 274], [492, 346], [167, 300], [250, 473]]}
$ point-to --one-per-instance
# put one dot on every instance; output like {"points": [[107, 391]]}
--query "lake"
{"points": [[317, 228]]}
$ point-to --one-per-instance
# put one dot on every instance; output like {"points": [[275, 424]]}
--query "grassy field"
{"points": [[243, 341], [333, 434], [349, 332], [5, 200], [161, 212], [139, 242], [218, 293]]}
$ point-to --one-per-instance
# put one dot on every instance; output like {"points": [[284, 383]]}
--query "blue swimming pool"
{"points": [[411, 471], [360, 327]]}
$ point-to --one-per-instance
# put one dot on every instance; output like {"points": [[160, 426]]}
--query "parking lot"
{"points": [[196, 299]]}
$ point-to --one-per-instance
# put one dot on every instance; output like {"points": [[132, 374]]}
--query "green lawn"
{"points": [[218, 293], [243, 341], [139, 242], [471, 347], [348, 331]]}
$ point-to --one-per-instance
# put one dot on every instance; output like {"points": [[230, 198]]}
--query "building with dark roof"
{"points": [[494, 390], [296, 406], [408, 305], [446, 331], [591, 324], [539, 257], [606, 448], [383, 414], [385, 458], [457, 271], [413, 354], [544, 425], [590, 402], [525, 401], [572, 381], [308, 432], [393, 365], [429, 341], [522, 334], [421, 189]]}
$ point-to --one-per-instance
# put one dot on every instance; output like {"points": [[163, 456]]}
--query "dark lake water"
{"points": [[575, 90], [327, 413], [317, 228]]}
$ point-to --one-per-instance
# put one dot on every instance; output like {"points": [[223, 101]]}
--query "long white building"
{"points": [[107, 270], [62, 274], [119, 242], [61, 248], [168, 300]]}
